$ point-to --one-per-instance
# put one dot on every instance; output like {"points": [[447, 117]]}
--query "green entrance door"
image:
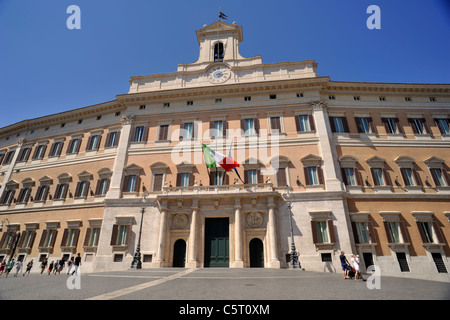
{"points": [[217, 246], [256, 253], [179, 253]]}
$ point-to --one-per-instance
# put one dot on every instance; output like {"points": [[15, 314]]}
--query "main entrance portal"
{"points": [[217, 246]]}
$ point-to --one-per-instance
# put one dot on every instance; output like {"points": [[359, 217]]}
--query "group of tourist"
{"points": [[353, 269], [54, 267]]}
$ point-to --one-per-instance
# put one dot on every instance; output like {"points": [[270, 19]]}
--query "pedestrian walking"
{"points": [[70, 265], [356, 265], [55, 266], [43, 265], [77, 264], [345, 265], [50, 267], [9, 267], [19, 265], [61, 265], [29, 266], [2, 267]]}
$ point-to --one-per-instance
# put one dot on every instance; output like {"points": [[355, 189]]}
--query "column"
{"points": [[114, 191], [192, 262], [326, 147], [162, 236], [272, 229], [238, 262]]}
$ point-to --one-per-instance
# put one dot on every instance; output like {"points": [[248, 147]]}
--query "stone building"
{"points": [[352, 166]]}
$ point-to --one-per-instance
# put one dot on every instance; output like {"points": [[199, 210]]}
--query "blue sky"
{"points": [[46, 68]]}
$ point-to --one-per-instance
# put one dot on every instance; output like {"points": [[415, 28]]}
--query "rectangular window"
{"points": [[82, 189], [158, 181], [390, 125], [131, 183], [41, 193], [350, 176], [74, 146], [438, 176], [39, 153], [394, 232], [218, 128], [55, 150], [61, 191], [281, 177], [24, 155], [303, 123], [139, 134], [113, 139], [9, 157], [102, 187], [163, 132], [24, 195], [443, 125], [322, 232], [275, 125], [93, 241], [361, 229], [185, 180], [365, 125], [8, 196], [216, 178], [48, 240], [312, 176], [426, 231], [188, 130], [408, 176], [378, 177], [122, 236], [250, 126], [419, 126], [339, 124], [252, 176], [93, 143]]}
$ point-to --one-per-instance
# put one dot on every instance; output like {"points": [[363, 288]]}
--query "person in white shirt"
{"points": [[355, 264]]}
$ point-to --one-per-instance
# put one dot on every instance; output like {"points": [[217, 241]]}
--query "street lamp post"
{"points": [[295, 263], [15, 238], [137, 263]]}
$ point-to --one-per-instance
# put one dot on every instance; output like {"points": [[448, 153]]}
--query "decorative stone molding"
{"points": [[255, 219]]}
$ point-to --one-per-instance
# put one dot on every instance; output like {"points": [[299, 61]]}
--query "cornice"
{"points": [[385, 87]]}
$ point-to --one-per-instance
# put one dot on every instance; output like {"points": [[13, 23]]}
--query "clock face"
{"points": [[219, 74]]}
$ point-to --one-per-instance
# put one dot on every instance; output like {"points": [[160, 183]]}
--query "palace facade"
{"points": [[353, 166]]}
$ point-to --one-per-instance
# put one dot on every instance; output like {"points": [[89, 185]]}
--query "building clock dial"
{"points": [[218, 74]]}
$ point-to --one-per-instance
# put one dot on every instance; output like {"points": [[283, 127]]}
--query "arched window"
{"points": [[218, 51]]}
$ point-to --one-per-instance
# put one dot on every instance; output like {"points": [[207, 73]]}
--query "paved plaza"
{"points": [[216, 284]]}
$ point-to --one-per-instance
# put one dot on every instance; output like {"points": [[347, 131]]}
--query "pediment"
{"points": [[218, 27], [434, 159]]}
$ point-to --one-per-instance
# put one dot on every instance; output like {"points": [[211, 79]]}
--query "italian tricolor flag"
{"points": [[213, 159]]}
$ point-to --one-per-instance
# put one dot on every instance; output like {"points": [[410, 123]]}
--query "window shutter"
{"points": [[425, 126], [27, 197], [46, 191], [305, 170], [64, 238], [2, 241], [76, 235], [38, 191], [358, 176], [345, 124], [320, 175], [178, 184], [438, 231], [312, 125], [387, 178], [411, 123], [344, 176], [66, 189], [358, 124], [332, 125], [212, 131], [88, 145], [57, 190], [372, 126], [355, 233], [33, 236], [256, 123], [98, 237], [182, 133], [386, 125], [87, 237], [246, 180], [126, 180], [297, 123], [224, 127], [128, 235], [157, 182], [227, 179], [138, 183], [446, 177], [69, 146], [191, 179], [77, 189], [331, 231], [372, 234], [281, 177], [402, 171], [145, 135], [422, 235], [375, 181], [98, 186], [211, 177], [116, 143], [60, 149], [417, 177], [115, 231], [388, 233], [52, 242], [259, 176], [314, 231], [404, 232], [21, 239], [19, 197], [43, 238], [243, 125]]}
